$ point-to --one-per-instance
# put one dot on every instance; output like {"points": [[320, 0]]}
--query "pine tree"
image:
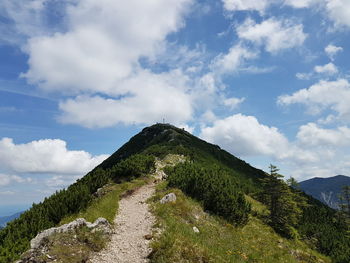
{"points": [[282, 203]]}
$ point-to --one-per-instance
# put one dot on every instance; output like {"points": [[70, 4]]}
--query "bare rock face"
{"points": [[168, 198]]}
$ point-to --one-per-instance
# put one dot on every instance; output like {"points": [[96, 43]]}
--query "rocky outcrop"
{"points": [[100, 224], [40, 245], [168, 198]]}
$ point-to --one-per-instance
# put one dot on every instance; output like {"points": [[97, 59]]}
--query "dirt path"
{"points": [[132, 223]]}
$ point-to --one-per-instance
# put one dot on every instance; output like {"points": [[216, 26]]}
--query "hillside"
{"points": [[327, 190], [226, 187]]}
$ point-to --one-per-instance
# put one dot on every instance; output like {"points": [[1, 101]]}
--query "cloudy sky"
{"points": [[266, 80]]}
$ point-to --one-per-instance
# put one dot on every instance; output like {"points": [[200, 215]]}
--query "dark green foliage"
{"points": [[214, 187], [15, 237], [135, 166], [325, 229], [284, 203], [345, 200]]}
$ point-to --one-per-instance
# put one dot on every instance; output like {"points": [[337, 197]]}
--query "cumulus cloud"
{"points": [[244, 136], [45, 156], [339, 11], [329, 69], [233, 60], [332, 95], [313, 135], [332, 51], [316, 151], [151, 98], [273, 34], [96, 61], [246, 5]]}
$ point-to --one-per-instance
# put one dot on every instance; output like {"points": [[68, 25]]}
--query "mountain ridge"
{"points": [[327, 189], [135, 158]]}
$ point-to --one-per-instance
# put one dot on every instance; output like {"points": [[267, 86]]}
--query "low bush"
{"points": [[214, 187]]}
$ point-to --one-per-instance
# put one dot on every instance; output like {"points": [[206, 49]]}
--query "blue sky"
{"points": [[266, 80]]}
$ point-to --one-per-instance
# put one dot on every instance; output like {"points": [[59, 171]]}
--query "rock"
{"points": [[168, 198], [195, 229], [99, 192], [100, 224], [148, 237]]}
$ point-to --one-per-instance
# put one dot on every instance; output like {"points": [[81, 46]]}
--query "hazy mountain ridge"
{"points": [[5, 219], [327, 190]]}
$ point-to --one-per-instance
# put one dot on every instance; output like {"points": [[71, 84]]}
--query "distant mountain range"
{"points": [[326, 190], [5, 219]]}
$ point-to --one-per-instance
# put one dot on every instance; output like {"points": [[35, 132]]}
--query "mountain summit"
{"points": [[327, 190], [221, 209]]}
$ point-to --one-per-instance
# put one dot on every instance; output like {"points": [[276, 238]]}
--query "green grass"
{"points": [[107, 205], [72, 247], [219, 241]]}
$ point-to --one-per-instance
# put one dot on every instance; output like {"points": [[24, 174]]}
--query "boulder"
{"points": [[100, 224], [168, 198]]}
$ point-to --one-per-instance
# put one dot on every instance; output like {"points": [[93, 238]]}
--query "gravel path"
{"points": [[132, 223]]}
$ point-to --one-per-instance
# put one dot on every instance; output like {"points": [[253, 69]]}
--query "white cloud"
{"points": [[329, 69], [25, 18], [339, 11], [6, 179], [303, 76], [315, 151], [45, 156], [233, 60], [313, 135], [152, 97], [60, 181], [274, 34], [246, 5], [332, 50], [98, 56], [333, 95], [245, 136], [300, 3], [233, 103]]}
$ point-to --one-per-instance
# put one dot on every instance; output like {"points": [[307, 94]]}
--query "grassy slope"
{"points": [[107, 205], [217, 240]]}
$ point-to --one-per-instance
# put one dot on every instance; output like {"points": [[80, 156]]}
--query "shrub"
{"points": [[214, 187]]}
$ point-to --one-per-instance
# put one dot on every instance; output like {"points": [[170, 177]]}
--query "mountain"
{"points": [[5, 219], [327, 190], [224, 186]]}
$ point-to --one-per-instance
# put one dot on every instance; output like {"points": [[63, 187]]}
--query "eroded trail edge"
{"points": [[133, 222]]}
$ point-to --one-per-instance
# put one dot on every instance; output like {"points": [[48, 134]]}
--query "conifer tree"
{"points": [[281, 201]]}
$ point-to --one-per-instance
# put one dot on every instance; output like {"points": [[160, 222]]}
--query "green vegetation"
{"points": [[15, 237], [345, 200], [218, 241], [72, 247], [106, 206], [218, 181], [214, 187], [285, 205]]}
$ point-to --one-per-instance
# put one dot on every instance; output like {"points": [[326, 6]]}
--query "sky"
{"points": [[266, 80]]}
